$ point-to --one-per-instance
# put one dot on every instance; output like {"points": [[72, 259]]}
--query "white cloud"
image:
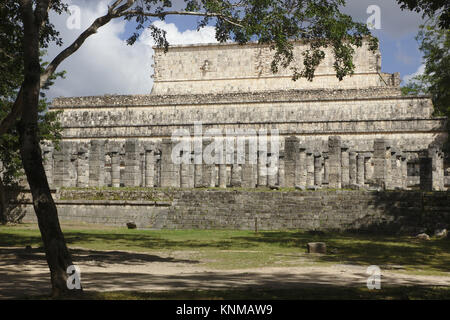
{"points": [[174, 36], [105, 64], [407, 78]]}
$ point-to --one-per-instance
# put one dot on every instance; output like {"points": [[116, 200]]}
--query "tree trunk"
{"points": [[3, 204], [56, 251]]}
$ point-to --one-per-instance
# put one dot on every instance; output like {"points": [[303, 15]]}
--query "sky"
{"points": [[105, 64]]}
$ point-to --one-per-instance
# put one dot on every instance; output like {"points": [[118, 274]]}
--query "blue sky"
{"points": [[106, 65]]}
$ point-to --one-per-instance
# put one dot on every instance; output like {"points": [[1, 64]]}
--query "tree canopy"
{"points": [[439, 9]]}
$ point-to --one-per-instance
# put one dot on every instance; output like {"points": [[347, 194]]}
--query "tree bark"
{"points": [[56, 251], [3, 204]]}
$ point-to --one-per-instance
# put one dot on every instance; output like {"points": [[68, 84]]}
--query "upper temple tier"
{"points": [[230, 67], [231, 87]]}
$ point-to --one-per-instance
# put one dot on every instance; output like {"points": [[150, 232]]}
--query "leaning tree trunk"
{"points": [[56, 252], [3, 204]]}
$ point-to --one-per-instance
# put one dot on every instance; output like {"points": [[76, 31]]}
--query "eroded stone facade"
{"points": [[360, 132]]}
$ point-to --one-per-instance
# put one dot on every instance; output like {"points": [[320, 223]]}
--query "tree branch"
{"points": [[99, 22]]}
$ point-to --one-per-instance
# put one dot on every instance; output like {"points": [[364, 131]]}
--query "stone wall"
{"points": [[271, 210], [313, 116], [242, 68]]}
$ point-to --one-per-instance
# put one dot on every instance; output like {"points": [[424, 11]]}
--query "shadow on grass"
{"points": [[361, 249], [366, 249]]}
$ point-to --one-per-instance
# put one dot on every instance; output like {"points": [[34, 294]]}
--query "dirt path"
{"points": [[24, 273]]}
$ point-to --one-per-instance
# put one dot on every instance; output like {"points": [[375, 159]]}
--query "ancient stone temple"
{"points": [[356, 133]]}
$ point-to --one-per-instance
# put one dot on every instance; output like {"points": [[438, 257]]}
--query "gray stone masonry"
{"points": [[334, 154], [132, 164], [97, 163]]}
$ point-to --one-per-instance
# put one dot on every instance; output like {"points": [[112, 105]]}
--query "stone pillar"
{"points": [[360, 169], [191, 170], [273, 173], [309, 169], [404, 171], [334, 154], [149, 166], [82, 168], [61, 165], [97, 163], [291, 147], [115, 167], [301, 172], [439, 172], [281, 173], [345, 167], [396, 170], [426, 182], [248, 174], [157, 154], [437, 168], [368, 168], [382, 163], [47, 156], [208, 169], [184, 171], [236, 175], [262, 168], [132, 164], [326, 167], [170, 176], [352, 168], [317, 169]]}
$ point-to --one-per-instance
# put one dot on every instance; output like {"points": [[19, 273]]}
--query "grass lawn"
{"points": [[231, 249]]}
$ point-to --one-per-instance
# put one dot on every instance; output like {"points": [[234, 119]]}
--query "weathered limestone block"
{"points": [[316, 247], [345, 167], [382, 163], [170, 175], [352, 168], [184, 171], [82, 168], [158, 166], [281, 173], [150, 166], [318, 169], [432, 169], [326, 167], [301, 172], [291, 148], [368, 168], [236, 175], [97, 163], [396, 169], [309, 169], [132, 164], [360, 169], [262, 168], [62, 159], [334, 154], [404, 171], [208, 169], [47, 155], [250, 165], [426, 172], [272, 171]]}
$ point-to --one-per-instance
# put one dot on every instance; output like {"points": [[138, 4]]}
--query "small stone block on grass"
{"points": [[317, 247]]}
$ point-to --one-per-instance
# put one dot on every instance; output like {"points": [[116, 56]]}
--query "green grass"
{"points": [[231, 249]]}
